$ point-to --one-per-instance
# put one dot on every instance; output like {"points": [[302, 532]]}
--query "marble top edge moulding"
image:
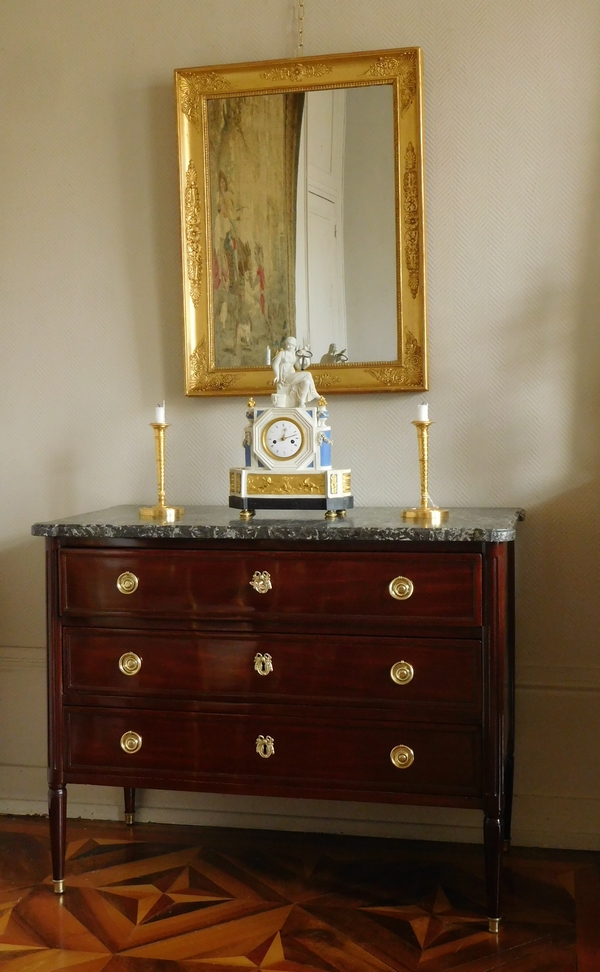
{"points": [[222, 523]]}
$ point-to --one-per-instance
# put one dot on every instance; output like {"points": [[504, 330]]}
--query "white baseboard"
{"points": [[559, 678], [539, 821], [22, 659]]}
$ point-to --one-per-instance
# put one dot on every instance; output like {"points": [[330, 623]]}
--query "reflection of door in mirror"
{"points": [[346, 229], [320, 294]]}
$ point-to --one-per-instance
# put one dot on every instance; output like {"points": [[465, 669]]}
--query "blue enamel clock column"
{"points": [[287, 454]]}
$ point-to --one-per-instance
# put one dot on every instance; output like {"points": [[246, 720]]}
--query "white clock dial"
{"points": [[282, 439]]}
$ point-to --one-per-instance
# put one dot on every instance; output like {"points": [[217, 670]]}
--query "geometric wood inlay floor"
{"points": [[155, 898]]}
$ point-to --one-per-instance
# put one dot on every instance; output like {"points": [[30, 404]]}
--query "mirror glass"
{"points": [[346, 226], [321, 202], [302, 216]]}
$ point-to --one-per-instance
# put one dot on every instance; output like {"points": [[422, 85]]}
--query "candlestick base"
{"points": [[168, 514], [425, 515]]}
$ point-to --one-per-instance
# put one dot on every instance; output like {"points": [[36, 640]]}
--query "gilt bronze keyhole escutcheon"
{"points": [[263, 664], [265, 746], [261, 581]]}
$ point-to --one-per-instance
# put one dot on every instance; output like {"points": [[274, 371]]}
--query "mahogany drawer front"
{"points": [[275, 668], [203, 747], [446, 587]]}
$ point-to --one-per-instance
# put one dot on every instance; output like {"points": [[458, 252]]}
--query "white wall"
{"points": [[90, 312]]}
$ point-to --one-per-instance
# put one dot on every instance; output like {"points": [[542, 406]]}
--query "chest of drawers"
{"points": [[358, 659]]}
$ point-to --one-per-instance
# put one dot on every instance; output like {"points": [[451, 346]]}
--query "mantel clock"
{"points": [[287, 453]]}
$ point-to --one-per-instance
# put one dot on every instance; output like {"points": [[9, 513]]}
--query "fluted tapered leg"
{"points": [[492, 836], [129, 792], [57, 812]]}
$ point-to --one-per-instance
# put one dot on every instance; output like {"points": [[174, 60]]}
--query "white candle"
{"points": [[423, 412], [268, 356], [159, 414]]}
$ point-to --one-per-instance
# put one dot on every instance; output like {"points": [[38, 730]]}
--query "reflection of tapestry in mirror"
{"points": [[253, 164]]}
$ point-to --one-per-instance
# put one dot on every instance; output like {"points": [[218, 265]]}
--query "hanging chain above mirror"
{"points": [[300, 19]]}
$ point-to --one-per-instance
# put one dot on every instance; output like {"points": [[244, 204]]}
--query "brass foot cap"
{"points": [[341, 512], [59, 886], [330, 514], [129, 819], [506, 845], [246, 514], [493, 926]]}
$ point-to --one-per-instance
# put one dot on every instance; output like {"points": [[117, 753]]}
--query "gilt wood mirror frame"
{"points": [[301, 217]]}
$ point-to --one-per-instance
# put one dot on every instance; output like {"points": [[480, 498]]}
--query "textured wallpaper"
{"points": [[91, 322]]}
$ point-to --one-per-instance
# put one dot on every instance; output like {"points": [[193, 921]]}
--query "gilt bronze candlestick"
{"points": [[424, 515], [161, 511]]}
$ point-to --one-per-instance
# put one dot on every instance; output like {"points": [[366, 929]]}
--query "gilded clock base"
{"points": [[425, 516], [247, 514], [168, 514]]}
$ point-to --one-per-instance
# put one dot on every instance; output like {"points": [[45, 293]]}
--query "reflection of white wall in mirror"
{"points": [[346, 232], [369, 224], [320, 293], [302, 320]]}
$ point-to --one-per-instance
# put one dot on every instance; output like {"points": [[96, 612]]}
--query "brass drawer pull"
{"points": [[263, 664], [402, 672], [265, 746], [261, 581], [130, 663], [131, 742], [401, 588], [127, 582], [402, 757]]}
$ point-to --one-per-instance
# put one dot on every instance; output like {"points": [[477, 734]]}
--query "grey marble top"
{"points": [[223, 523]]}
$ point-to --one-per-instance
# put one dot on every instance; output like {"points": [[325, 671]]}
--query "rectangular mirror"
{"points": [[302, 215]]}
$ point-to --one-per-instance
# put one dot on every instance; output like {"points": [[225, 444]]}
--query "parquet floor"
{"points": [[154, 898]]}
